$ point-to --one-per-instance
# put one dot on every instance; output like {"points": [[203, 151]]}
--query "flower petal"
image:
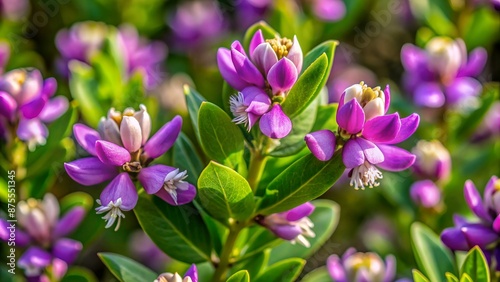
{"points": [[351, 117], [371, 151], [321, 143], [89, 171], [33, 108], [454, 239], [257, 100], [183, 196], [295, 54], [336, 269], [245, 68], [131, 133], [461, 89], [475, 63], [86, 137], [69, 222], [299, 212], [152, 178], [286, 231], [382, 128], [429, 95], [54, 108], [257, 39], [163, 139], [395, 159], [111, 154], [387, 98], [121, 187], [192, 272], [390, 268], [67, 249], [474, 201], [352, 154], [275, 123], [409, 125], [32, 131], [34, 257], [227, 70], [8, 105], [478, 234], [21, 238], [49, 87], [282, 76], [264, 58]]}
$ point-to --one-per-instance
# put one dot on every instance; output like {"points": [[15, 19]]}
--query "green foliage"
{"points": [[419, 277], [125, 269], [285, 270], [240, 276], [476, 266], [267, 31], [318, 275], [80, 274]]}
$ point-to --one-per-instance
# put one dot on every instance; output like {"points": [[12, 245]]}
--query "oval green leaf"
{"points": [[126, 269], [240, 276], [285, 270], [476, 266]]}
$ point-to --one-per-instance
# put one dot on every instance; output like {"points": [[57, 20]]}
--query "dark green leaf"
{"points": [[179, 231], [285, 270], [260, 240], [221, 140], [254, 264], [318, 275], [75, 199], [326, 118], [225, 194], [325, 218], [126, 269], [186, 158], [476, 266], [267, 31], [305, 180], [431, 256], [240, 276], [419, 277], [79, 274], [193, 101]]}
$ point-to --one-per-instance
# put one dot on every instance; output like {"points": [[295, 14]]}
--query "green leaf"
{"points": [[325, 218], [75, 199], [451, 277], [126, 269], [79, 274], [419, 277], [186, 158], [254, 264], [326, 118], [179, 231], [225, 194], [221, 140], [305, 180], [133, 93], [285, 270], [240, 276], [318, 275], [466, 278], [267, 31], [481, 27], [431, 256], [476, 266], [193, 101], [260, 240]]}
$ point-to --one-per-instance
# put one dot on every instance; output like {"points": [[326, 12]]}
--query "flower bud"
{"points": [[131, 133], [425, 193], [24, 85], [144, 120], [433, 160], [39, 217], [109, 131], [446, 56]]}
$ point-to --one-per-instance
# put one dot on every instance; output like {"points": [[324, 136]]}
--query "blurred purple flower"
{"points": [[249, 12], [484, 232], [357, 266], [433, 160], [43, 231], [490, 126], [196, 24], [14, 10], [328, 10], [366, 132], [25, 104], [191, 275], [441, 74], [122, 150], [146, 252], [263, 79], [4, 55], [293, 225], [425, 193]]}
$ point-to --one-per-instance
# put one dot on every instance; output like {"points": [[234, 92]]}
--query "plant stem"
{"points": [[257, 164], [227, 250]]}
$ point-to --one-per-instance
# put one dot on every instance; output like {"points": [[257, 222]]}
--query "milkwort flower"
{"points": [[483, 232], [26, 104], [191, 275], [367, 133], [441, 74], [122, 150], [426, 194], [43, 233], [357, 266], [433, 160], [293, 225], [263, 79]]}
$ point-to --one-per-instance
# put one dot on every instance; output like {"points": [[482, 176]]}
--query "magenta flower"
{"points": [[25, 101], [121, 152], [356, 266], [43, 232], [433, 160], [328, 10], [441, 74], [367, 134], [292, 225], [485, 232], [191, 275], [425, 193], [263, 79], [249, 12]]}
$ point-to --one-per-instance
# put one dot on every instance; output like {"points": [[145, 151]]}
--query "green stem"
{"points": [[257, 164], [225, 257]]}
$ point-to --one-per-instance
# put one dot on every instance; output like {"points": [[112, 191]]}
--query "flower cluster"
{"points": [[191, 275], [263, 79], [358, 266], [122, 150], [26, 104], [366, 132], [84, 39], [43, 234], [292, 225], [441, 74], [484, 232]]}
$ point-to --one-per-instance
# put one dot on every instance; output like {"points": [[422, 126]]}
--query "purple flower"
{"points": [[191, 275], [329, 10], [433, 160], [121, 152], [26, 104], [42, 231], [292, 225], [485, 231], [441, 74], [249, 12], [425, 193], [366, 132], [263, 80], [14, 10], [357, 266]]}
